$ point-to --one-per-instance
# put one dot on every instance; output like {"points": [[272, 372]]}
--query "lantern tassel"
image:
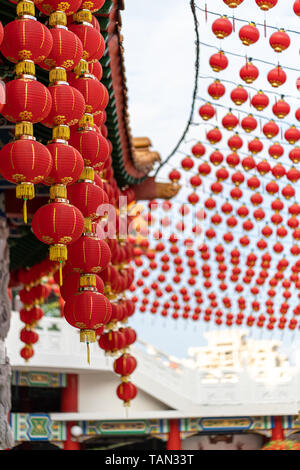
{"points": [[25, 210], [88, 352], [60, 274]]}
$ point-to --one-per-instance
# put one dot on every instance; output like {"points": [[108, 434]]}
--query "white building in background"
{"points": [[234, 384]]}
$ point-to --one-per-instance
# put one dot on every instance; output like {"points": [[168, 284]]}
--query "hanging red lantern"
{"points": [[256, 199], [255, 146], [272, 188], [266, 5], [222, 27], [230, 121], [233, 3], [125, 365], [260, 101], [249, 123], [270, 129], [236, 193], [216, 158], [293, 175], [92, 41], [66, 51], [216, 90], [296, 7], [93, 147], [279, 41], [281, 109], [276, 150], [49, 6], [68, 106], [277, 77], [242, 211], [26, 100], [218, 61], [253, 183], [67, 164], [198, 150], [222, 174], [235, 142], [249, 34], [292, 135], [249, 73], [88, 198], [27, 352], [195, 181], [248, 163], [207, 111], [233, 160], [26, 39], [174, 176], [88, 311], [239, 95], [94, 92], [126, 391], [237, 178], [214, 135], [187, 163], [263, 167], [288, 192]]}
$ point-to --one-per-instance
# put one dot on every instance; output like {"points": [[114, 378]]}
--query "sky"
{"points": [[159, 58]]}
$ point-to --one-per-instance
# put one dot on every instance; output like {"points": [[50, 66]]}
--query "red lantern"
{"points": [[187, 163], [266, 5], [296, 7], [249, 34], [279, 41], [260, 101], [88, 311], [276, 150], [292, 135], [277, 77], [68, 106], [67, 164], [233, 3], [281, 109], [174, 176], [249, 73], [216, 90], [222, 27], [26, 39], [58, 224], [27, 352], [126, 391], [92, 41], [255, 146], [207, 111], [216, 158], [89, 254], [249, 123], [49, 6], [88, 198], [125, 365], [233, 160], [198, 150], [66, 51], [230, 121], [26, 100], [239, 95], [235, 142], [94, 92], [263, 167], [218, 61], [270, 129], [214, 135]]}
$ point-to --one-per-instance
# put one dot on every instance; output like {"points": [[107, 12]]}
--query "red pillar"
{"points": [[277, 430], [174, 440], [69, 403]]}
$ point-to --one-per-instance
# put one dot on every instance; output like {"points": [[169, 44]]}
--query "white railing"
{"points": [[177, 386]]}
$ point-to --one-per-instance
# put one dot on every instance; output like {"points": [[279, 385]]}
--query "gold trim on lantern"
{"points": [[25, 190], [61, 132], [58, 191], [58, 252], [25, 8], [23, 128], [58, 18], [83, 16], [25, 67], [82, 67], [87, 280], [58, 74], [87, 336], [87, 225], [88, 173], [87, 120]]}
